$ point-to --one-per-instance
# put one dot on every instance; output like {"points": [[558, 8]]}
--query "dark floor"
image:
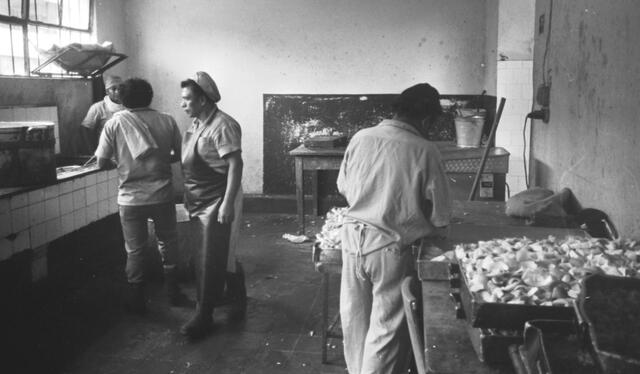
{"points": [[86, 331]]}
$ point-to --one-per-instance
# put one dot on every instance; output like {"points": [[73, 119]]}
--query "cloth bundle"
{"points": [[136, 134]]}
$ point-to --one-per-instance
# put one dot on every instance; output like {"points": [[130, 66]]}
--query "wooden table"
{"points": [[312, 160], [459, 163]]}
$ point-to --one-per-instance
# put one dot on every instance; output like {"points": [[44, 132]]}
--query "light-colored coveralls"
{"points": [[397, 192]]}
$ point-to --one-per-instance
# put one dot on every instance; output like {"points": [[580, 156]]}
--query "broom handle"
{"points": [[492, 134]]}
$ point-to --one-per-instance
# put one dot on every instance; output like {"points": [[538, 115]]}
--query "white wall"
{"points": [[515, 83], [110, 26], [293, 46], [515, 29]]}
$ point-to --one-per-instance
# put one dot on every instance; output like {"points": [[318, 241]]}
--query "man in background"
{"points": [[102, 111], [144, 143], [398, 196]]}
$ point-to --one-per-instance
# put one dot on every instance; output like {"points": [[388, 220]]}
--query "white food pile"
{"points": [[329, 236], [545, 272]]}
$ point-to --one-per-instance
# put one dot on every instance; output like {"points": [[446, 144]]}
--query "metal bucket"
{"points": [[469, 131]]}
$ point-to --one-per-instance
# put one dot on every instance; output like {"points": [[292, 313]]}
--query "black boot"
{"points": [[135, 300], [200, 324], [174, 294]]}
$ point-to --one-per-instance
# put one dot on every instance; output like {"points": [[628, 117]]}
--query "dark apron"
{"points": [[204, 191], [202, 184]]}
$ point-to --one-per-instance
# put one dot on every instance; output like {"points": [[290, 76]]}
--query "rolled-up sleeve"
{"points": [[228, 139], [92, 118], [437, 190], [106, 144]]}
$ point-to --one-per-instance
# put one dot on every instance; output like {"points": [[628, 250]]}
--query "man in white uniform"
{"points": [[102, 111], [398, 194]]}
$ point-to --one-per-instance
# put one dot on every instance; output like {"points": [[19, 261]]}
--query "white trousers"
{"points": [[376, 339]]}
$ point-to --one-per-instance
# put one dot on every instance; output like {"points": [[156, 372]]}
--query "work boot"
{"points": [[135, 299], [199, 325], [174, 294]]}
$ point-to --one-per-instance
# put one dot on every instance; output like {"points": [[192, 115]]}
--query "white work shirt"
{"points": [[147, 180], [396, 188]]}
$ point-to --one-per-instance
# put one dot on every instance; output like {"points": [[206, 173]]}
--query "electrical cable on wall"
{"points": [[545, 77], [524, 152]]}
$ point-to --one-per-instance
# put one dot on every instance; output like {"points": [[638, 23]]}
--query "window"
{"points": [[29, 27]]}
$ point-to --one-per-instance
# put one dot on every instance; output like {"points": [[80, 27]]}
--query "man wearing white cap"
{"points": [[212, 168], [102, 111]]}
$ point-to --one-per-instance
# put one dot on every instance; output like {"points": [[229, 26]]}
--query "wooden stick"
{"points": [[492, 134]]}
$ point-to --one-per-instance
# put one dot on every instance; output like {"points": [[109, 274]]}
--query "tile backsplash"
{"points": [[31, 219]]}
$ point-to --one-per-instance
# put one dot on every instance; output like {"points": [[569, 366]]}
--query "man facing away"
{"points": [[398, 195], [143, 144]]}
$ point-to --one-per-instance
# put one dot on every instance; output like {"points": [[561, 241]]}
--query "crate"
{"points": [[597, 286], [490, 347], [552, 347]]}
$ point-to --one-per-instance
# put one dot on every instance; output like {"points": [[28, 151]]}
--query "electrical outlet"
{"points": [[541, 24], [542, 95]]}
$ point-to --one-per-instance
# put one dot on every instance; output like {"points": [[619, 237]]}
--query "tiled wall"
{"points": [[40, 113], [515, 84], [34, 218]]}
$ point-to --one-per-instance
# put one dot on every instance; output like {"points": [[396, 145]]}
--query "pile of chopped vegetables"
{"points": [[545, 272], [329, 237]]}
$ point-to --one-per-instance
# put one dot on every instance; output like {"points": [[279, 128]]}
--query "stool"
{"points": [[326, 268]]}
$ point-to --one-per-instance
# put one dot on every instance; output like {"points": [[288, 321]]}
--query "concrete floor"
{"points": [[86, 331], [74, 322]]}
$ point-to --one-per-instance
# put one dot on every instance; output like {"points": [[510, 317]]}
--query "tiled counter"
{"points": [[31, 217]]}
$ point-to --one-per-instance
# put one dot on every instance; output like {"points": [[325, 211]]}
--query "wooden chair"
{"points": [[412, 300]]}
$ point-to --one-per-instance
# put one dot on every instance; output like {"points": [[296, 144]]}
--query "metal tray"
{"points": [[609, 360], [504, 316]]}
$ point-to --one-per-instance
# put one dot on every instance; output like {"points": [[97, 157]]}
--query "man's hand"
{"points": [[226, 213]]}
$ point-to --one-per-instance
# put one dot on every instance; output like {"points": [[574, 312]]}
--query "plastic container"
{"points": [[469, 130]]}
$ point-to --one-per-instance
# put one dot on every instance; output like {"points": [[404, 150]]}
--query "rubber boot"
{"points": [[237, 293], [200, 324], [135, 300], [175, 296]]}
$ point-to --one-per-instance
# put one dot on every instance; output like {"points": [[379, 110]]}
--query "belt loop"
{"points": [[359, 266]]}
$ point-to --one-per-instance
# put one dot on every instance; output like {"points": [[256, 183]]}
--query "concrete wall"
{"points": [[591, 142], [492, 16], [110, 26], [314, 47], [515, 29]]}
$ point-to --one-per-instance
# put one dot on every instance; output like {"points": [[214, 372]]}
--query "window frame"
{"points": [[24, 22]]}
